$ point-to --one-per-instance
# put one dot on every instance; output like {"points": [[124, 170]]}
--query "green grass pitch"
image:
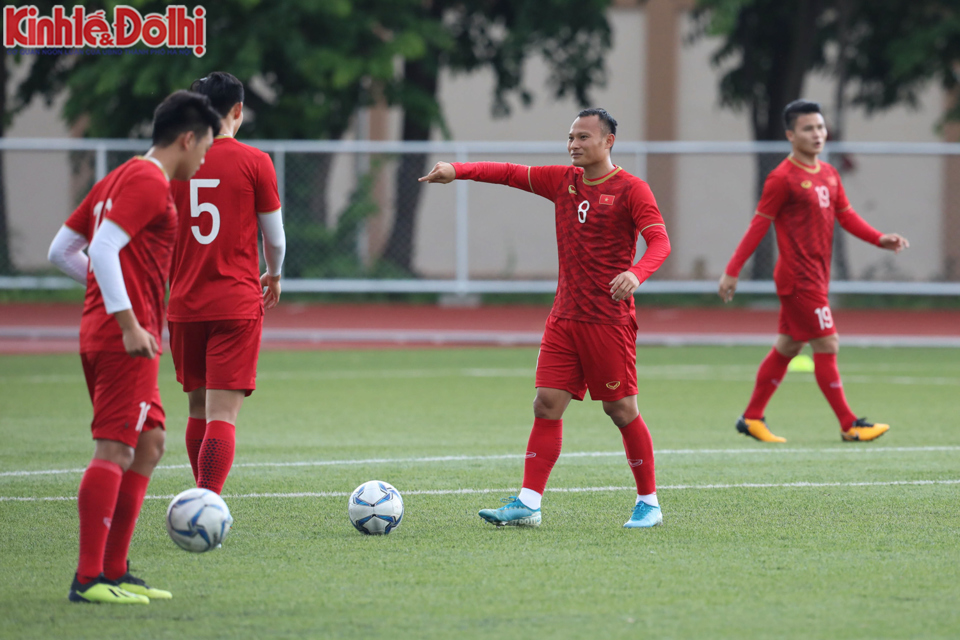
{"points": [[812, 539]]}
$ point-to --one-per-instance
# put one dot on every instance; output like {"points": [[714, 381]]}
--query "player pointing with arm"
{"points": [[590, 337], [802, 197], [129, 222], [216, 299]]}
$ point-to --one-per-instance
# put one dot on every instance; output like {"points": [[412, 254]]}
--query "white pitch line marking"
{"points": [[450, 492], [852, 448]]}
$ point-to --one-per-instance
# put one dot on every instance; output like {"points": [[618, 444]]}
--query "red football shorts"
{"points": [[576, 356], [125, 396], [216, 354], [805, 315]]}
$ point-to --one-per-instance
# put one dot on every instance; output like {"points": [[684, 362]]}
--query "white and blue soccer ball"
{"points": [[198, 520], [375, 508]]}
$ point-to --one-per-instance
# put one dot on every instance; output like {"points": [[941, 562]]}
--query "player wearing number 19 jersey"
{"points": [[802, 198], [216, 298], [128, 220], [589, 342]]}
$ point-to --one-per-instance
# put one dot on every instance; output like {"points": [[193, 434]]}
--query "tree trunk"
{"points": [[784, 86], [6, 266], [399, 248]]}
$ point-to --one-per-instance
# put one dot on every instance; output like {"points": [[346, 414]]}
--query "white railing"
{"points": [[462, 283]]}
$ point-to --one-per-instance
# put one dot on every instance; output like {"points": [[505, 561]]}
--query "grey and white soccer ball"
{"points": [[198, 520], [375, 508]]}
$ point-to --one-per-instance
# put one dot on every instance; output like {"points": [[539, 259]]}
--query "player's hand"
{"points": [[728, 286], [624, 285], [442, 173], [137, 341], [140, 343], [271, 290], [894, 242]]}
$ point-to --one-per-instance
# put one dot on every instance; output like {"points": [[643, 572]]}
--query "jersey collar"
{"points": [[602, 179], [805, 167], [156, 162]]}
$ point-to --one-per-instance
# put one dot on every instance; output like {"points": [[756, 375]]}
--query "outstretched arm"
{"points": [[518, 176], [442, 173]]}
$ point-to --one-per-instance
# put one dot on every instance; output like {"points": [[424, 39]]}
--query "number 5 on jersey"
{"points": [[197, 208]]}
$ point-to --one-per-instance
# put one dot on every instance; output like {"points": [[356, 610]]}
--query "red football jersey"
{"points": [[597, 222], [135, 196], [803, 202], [216, 264]]}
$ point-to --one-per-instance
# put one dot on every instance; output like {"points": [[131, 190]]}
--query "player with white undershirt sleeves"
{"points": [[217, 294], [129, 222], [589, 341], [802, 197]]}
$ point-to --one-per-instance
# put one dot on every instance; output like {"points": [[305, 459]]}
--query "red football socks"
{"points": [[216, 455], [639, 447], [133, 488], [96, 501], [543, 450], [196, 427], [769, 376], [828, 377]]}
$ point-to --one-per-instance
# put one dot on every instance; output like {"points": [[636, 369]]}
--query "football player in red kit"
{"points": [[129, 222], [217, 295], [589, 342], [802, 197]]}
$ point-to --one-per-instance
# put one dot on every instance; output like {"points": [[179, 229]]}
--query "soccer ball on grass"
{"points": [[375, 508], [198, 520]]}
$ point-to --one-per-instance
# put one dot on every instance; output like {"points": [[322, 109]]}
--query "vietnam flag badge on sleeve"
{"points": [[605, 199]]}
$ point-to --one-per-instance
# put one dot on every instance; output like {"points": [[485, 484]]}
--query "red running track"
{"points": [[52, 328]]}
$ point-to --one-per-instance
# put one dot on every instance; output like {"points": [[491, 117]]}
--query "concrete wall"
{"points": [[38, 183]]}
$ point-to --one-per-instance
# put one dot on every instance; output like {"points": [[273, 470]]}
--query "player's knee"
{"points": [[152, 446], [621, 415], [789, 349], [541, 409], [546, 407], [826, 344]]}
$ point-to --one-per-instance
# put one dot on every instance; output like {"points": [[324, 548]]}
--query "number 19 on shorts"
{"points": [[824, 317]]}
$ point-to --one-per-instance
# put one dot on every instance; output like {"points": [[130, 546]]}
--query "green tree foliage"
{"points": [[312, 62]]}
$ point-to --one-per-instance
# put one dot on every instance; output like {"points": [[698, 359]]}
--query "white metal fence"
{"points": [[345, 202]]}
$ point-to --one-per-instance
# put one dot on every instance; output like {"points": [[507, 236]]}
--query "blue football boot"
{"points": [[512, 514], [644, 516]]}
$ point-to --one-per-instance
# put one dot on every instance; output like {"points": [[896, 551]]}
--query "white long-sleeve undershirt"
{"points": [[274, 240], [66, 253], [104, 252]]}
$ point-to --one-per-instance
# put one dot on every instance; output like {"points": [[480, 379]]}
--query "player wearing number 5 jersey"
{"points": [[129, 222], [802, 197], [217, 295], [589, 342]]}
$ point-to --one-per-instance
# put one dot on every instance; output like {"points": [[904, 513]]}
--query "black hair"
{"points": [[223, 89], [797, 108], [607, 122], [180, 112]]}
